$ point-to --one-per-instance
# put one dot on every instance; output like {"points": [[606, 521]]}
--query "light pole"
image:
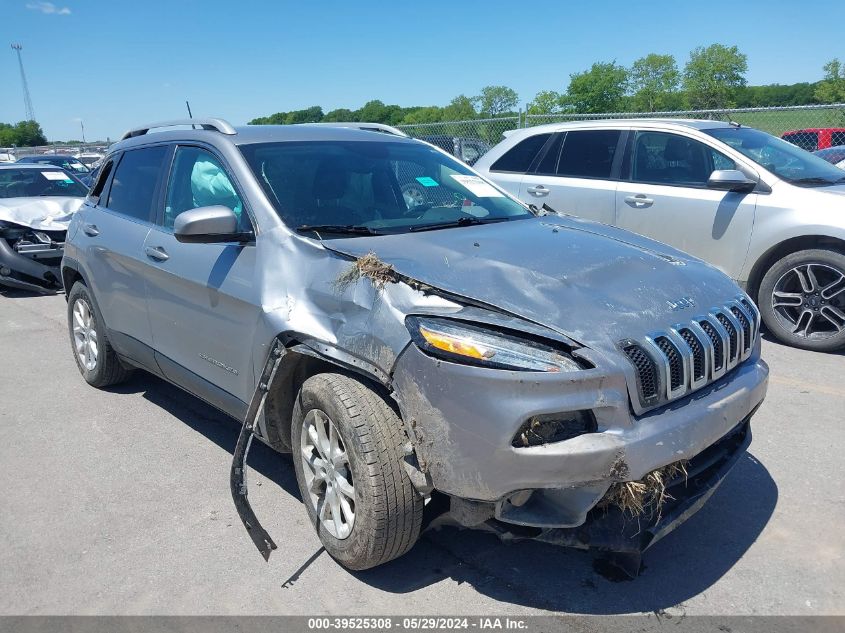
{"points": [[82, 125]]}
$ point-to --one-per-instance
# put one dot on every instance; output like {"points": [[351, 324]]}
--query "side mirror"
{"points": [[208, 225], [730, 180]]}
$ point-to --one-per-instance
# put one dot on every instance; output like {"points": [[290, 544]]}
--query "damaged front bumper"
{"points": [[30, 260], [610, 529], [464, 420]]}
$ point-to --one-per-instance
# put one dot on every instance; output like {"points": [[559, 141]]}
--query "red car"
{"points": [[814, 138]]}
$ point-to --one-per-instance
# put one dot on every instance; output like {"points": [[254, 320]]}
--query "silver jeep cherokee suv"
{"points": [[469, 359]]}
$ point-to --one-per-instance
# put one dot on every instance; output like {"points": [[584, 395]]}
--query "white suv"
{"points": [[765, 212]]}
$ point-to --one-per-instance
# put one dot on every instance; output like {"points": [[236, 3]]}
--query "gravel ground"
{"points": [[117, 502]]}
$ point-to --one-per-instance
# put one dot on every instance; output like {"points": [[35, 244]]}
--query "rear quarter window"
{"points": [[520, 156]]}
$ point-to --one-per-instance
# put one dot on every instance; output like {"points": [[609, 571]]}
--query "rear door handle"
{"points": [[538, 191], [157, 253], [91, 230], [640, 201]]}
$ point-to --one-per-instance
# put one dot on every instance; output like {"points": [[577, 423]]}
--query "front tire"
{"points": [[348, 455], [802, 300], [97, 361]]}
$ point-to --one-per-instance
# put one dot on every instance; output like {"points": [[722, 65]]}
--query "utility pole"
{"points": [[27, 101], [82, 125]]}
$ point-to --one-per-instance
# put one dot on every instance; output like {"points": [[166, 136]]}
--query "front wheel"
{"points": [[802, 300], [347, 453]]}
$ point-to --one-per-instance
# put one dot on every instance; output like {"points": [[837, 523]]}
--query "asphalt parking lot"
{"points": [[117, 502]]}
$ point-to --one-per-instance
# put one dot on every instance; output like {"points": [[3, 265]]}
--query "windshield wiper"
{"points": [[349, 229], [816, 181], [466, 221]]}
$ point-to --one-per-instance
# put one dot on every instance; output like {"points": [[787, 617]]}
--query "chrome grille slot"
{"points": [[699, 366], [745, 324], [676, 363], [733, 337], [718, 345], [670, 363], [646, 372]]}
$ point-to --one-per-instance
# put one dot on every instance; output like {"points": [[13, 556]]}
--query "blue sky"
{"points": [[118, 63]]}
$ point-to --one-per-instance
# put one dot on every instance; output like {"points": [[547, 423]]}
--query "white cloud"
{"points": [[48, 8]]}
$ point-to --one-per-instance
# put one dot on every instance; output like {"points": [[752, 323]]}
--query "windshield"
{"points": [[783, 159], [360, 187], [31, 183]]}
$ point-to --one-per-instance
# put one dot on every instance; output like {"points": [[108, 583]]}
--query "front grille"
{"points": [[674, 362], [646, 372], [699, 369]]}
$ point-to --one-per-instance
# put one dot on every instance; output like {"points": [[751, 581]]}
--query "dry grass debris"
{"points": [[369, 266], [646, 496]]}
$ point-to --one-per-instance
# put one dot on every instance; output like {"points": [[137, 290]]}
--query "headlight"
{"points": [[472, 345]]}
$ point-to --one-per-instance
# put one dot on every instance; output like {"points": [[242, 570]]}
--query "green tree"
{"points": [[22, 134], [431, 114], [600, 89], [654, 80], [460, 108], [714, 75], [340, 115], [546, 102], [496, 100], [314, 114], [832, 89]]}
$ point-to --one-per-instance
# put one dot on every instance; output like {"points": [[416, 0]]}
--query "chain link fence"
{"points": [[811, 127]]}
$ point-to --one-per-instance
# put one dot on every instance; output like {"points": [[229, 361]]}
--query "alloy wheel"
{"points": [[328, 474], [84, 335], [809, 300]]}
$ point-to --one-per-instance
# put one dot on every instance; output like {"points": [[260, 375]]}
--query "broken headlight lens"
{"points": [[469, 344]]}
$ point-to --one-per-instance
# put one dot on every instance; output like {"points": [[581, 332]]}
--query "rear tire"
{"points": [[97, 361], [802, 300], [363, 439]]}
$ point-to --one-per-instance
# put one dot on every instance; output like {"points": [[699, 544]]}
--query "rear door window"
{"points": [[588, 154], [519, 158], [135, 182], [837, 138]]}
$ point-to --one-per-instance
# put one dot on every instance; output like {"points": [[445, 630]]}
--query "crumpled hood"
{"points": [[594, 283], [42, 214]]}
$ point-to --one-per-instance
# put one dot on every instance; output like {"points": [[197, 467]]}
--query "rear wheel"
{"points": [[802, 300], [97, 361], [347, 445]]}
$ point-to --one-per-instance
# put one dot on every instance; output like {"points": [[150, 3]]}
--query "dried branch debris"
{"points": [[646, 496], [369, 266]]}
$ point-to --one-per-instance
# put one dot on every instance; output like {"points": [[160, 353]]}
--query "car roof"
{"points": [[29, 159], [250, 134], [35, 166]]}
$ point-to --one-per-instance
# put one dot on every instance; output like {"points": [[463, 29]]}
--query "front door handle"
{"points": [[91, 230], [157, 253], [639, 201], [538, 191]]}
